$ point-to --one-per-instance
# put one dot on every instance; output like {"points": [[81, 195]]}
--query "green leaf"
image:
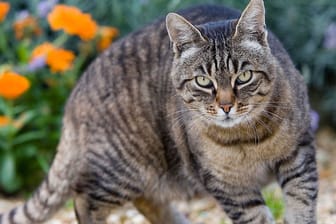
{"points": [[27, 151], [2, 145], [8, 179], [23, 119], [69, 204], [19, 109], [7, 131], [29, 115], [26, 137], [3, 106], [23, 52], [275, 203], [43, 163]]}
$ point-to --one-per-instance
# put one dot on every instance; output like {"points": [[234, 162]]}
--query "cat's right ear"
{"points": [[182, 33]]}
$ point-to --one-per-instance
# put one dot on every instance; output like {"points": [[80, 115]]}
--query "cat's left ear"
{"points": [[182, 33], [251, 24]]}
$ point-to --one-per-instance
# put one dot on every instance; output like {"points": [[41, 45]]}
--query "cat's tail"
{"points": [[53, 191], [45, 201]]}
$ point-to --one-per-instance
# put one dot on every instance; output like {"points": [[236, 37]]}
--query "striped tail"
{"points": [[46, 200], [54, 190]]}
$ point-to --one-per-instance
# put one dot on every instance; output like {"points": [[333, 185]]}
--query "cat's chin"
{"points": [[228, 122], [223, 120]]}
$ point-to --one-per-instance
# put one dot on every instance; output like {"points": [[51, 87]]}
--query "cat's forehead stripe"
{"points": [[205, 69], [231, 66], [217, 56], [213, 67], [228, 63], [222, 58]]}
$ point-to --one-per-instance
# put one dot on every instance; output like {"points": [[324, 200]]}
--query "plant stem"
{"points": [[3, 40], [11, 132], [61, 40], [77, 67]]}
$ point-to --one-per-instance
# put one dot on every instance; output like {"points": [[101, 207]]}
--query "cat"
{"points": [[206, 101]]}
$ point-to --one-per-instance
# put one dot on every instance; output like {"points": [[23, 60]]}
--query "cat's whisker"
{"points": [[254, 130], [270, 105], [179, 118], [180, 124], [270, 115], [180, 112], [190, 126], [264, 125], [271, 102], [177, 121], [256, 134]]}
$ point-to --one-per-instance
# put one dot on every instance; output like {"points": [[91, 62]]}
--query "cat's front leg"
{"points": [[298, 178], [243, 205]]}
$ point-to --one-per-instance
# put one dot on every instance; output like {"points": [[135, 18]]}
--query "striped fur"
{"points": [[140, 128]]}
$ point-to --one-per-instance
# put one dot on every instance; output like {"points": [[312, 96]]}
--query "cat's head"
{"points": [[225, 69]]}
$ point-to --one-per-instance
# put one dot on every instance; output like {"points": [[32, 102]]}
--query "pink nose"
{"points": [[226, 107]]}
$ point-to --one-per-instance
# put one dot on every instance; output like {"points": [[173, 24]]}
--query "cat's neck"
{"points": [[252, 132]]}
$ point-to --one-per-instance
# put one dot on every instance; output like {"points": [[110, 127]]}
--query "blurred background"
{"points": [[42, 53]]}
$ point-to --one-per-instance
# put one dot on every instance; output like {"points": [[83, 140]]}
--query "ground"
{"points": [[206, 211]]}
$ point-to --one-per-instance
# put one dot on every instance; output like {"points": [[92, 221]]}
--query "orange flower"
{"points": [[42, 50], [26, 27], [13, 85], [58, 59], [4, 8], [4, 121], [106, 35], [72, 21]]}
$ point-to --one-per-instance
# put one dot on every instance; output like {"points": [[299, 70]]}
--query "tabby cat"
{"points": [[216, 107]]}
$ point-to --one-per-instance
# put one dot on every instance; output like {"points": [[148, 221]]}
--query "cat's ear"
{"points": [[251, 24], [182, 33]]}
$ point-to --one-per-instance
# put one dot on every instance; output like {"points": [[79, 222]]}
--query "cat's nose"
{"points": [[226, 107], [225, 99]]}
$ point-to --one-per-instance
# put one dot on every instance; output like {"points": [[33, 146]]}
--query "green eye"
{"points": [[203, 81], [244, 77]]}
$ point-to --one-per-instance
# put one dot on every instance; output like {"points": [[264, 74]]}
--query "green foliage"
{"points": [[27, 149], [302, 26], [19, 147], [274, 202], [28, 142]]}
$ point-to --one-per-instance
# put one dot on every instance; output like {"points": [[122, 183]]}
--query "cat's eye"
{"points": [[244, 77], [203, 81]]}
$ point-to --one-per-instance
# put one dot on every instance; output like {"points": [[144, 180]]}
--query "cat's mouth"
{"points": [[227, 120], [230, 121]]}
